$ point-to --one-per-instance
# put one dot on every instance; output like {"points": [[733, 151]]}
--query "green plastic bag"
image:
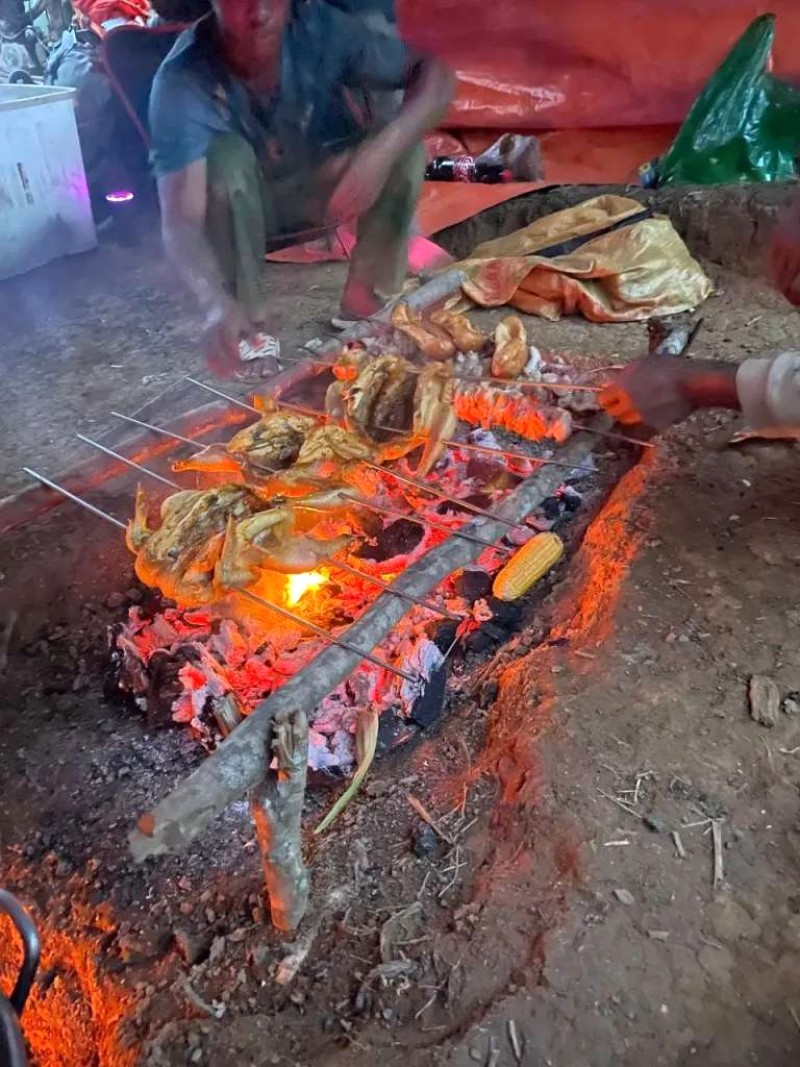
{"points": [[744, 125]]}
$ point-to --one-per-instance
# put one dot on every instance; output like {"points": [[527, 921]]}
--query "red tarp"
{"points": [[604, 84]]}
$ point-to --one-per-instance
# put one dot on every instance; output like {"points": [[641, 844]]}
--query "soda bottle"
{"points": [[466, 169]]}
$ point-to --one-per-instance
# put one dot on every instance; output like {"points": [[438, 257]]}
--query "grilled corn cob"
{"points": [[527, 566]]}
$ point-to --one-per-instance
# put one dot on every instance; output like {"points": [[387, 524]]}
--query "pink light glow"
{"points": [[121, 196]]}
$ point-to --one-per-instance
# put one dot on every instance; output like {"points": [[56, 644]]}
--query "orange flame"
{"points": [[297, 585]]}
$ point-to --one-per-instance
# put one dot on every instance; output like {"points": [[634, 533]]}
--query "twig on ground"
{"points": [[620, 804], [514, 1041], [610, 844], [216, 1011], [426, 816], [455, 868], [716, 837], [794, 1015], [9, 625], [680, 850], [493, 1058], [789, 751]]}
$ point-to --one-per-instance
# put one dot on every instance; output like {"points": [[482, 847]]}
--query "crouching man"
{"points": [[256, 133]]}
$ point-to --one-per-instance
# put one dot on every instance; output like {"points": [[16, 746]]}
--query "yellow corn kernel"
{"points": [[527, 566]]}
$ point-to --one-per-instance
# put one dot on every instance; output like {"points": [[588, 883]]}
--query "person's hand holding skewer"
{"points": [[658, 391]]}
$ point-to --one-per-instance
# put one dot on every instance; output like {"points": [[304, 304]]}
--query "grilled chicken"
{"points": [[511, 348], [465, 337], [179, 557], [383, 390], [433, 341], [434, 418], [272, 443]]}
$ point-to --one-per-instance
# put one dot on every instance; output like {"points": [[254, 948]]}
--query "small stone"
{"points": [[426, 843], [239, 934], [115, 600], [133, 595], [624, 897], [658, 935], [791, 704], [765, 700], [192, 947], [216, 950], [476, 1055], [658, 826]]}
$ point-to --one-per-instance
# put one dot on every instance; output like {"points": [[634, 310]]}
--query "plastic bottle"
{"points": [[466, 169]]}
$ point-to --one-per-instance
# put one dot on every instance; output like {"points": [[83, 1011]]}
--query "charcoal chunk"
{"points": [[473, 584]]}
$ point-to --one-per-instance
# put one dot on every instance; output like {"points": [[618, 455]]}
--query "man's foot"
{"points": [[359, 301]]}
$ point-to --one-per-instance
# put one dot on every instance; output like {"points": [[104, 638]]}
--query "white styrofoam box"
{"points": [[44, 199]]}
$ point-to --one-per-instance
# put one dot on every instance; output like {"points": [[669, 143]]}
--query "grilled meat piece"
{"points": [[432, 340], [273, 442], [511, 348], [179, 557], [465, 336]]}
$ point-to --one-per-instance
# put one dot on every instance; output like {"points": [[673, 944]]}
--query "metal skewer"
{"points": [[389, 588], [381, 509], [297, 619], [464, 504], [156, 429], [75, 499], [130, 462], [326, 636]]}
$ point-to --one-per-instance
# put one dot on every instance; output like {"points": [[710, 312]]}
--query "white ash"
{"points": [[533, 368], [424, 659]]}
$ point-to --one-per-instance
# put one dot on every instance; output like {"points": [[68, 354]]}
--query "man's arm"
{"points": [[183, 197]]}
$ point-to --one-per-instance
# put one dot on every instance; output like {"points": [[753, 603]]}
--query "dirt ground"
{"points": [[584, 782]]}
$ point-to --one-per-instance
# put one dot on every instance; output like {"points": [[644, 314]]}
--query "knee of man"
{"points": [[231, 164]]}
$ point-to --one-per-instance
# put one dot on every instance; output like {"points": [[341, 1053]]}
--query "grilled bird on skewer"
{"points": [[434, 418], [465, 336], [179, 557], [511, 348], [432, 340], [272, 442]]}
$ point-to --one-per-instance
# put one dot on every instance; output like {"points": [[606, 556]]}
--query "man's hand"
{"points": [[650, 393], [361, 184], [659, 391], [225, 326], [784, 256]]}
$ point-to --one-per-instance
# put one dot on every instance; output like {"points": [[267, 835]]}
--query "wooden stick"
{"points": [[240, 761], [276, 805], [716, 837]]}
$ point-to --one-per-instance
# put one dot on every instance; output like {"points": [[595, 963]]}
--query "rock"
{"points": [[658, 935], [488, 693], [216, 950], [116, 601], [426, 842], [658, 826], [791, 704], [193, 947], [624, 897], [765, 700]]}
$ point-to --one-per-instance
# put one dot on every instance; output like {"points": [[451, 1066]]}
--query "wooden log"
{"points": [[240, 762], [276, 805]]}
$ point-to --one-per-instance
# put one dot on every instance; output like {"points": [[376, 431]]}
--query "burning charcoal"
{"points": [[552, 508], [443, 634], [164, 686], [393, 731], [397, 539], [482, 640], [430, 704], [473, 584], [479, 500], [506, 613], [571, 497]]}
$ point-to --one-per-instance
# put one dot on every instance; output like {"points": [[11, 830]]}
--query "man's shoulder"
{"points": [[189, 60]]}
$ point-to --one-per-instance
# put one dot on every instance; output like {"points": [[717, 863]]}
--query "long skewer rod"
{"points": [[464, 504], [381, 509], [75, 499], [297, 619], [318, 630], [130, 462], [156, 429]]}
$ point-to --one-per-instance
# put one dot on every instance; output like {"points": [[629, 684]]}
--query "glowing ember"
{"points": [[297, 585]]}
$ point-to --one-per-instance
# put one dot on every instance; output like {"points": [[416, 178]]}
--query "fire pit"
{"points": [[360, 639]]}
